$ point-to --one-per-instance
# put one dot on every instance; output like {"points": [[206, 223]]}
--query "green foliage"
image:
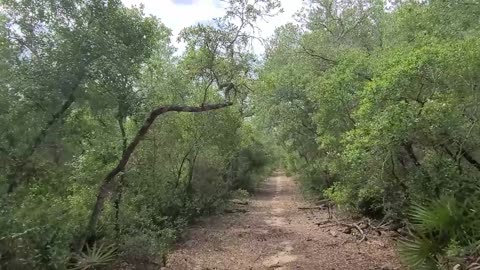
{"points": [[78, 79], [439, 216], [379, 106], [443, 232], [240, 194], [419, 254]]}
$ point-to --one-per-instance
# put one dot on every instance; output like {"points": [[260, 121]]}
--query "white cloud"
{"points": [[179, 16]]}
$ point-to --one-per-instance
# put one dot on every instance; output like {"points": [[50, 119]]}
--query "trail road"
{"points": [[275, 234]]}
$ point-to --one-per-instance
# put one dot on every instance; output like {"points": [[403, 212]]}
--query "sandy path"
{"points": [[274, 234]]}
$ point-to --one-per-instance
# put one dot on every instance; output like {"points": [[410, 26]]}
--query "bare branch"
{"points": [[313, 54], [110, 177]]}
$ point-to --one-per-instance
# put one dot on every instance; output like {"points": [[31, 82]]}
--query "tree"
{"points": [[391, 99], [79, 79]]}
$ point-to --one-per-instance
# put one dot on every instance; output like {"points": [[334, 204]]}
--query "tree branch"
{"points": [[313, 54], [184, 159], [470, 158], [109, 178], [16, 176]]}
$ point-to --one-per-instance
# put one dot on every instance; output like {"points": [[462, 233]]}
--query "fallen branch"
{"points": [[335, 222], [323, 222], [353, 225], [382, 226], [350, 226], [231, 211], [323, 202], [239, 202], [311, 208], [321, 226]]}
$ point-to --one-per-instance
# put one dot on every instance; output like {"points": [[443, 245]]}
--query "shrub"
{"points": [[444, 232]]}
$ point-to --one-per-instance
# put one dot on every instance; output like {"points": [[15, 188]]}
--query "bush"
{"points": [[444, 232], [248, 167]]}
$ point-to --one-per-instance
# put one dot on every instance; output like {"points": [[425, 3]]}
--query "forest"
{"points": [[113, 140]]}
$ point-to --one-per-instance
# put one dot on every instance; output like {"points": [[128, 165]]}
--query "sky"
{"points": [[178, 14]]}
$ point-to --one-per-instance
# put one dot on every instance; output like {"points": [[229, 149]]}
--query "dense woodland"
{"points": [[112, 140]]}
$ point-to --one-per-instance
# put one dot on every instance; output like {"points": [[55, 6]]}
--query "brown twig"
{"points": [[310, 208], [355, 226]]}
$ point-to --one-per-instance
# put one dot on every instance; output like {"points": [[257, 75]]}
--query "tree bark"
{"points": [[188, 187], [184, 159], [118, 199], [453, 157], [409, 148], [104, 186], [462, 153], [400, 183], [470, 159]]}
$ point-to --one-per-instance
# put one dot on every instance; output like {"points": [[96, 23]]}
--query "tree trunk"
{"points": [[470, 159], [188, 187], [462, 153], [184, 159], [453, 157], [409, 148], [118, 199], [400, 183], [109, 178]]}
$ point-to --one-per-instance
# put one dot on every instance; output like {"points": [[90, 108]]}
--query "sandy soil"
{"points": [[275, 234]]}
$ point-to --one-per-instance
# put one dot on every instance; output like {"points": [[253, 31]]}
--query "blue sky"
{"points": [[178, 14]]}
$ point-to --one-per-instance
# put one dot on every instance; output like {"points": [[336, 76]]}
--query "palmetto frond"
{"points": [[95, 256], [441, 216], [419, 253], [434, 224]]}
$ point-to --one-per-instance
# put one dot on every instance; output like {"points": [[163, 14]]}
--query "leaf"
{"points": [[95, 256], [440, 216]]}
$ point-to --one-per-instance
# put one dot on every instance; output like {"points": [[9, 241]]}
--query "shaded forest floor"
{"points": [[275, 234]]}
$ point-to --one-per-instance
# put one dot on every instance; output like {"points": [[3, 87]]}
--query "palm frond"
{"points": [[95, 256], [419, 253], [440, 215]]}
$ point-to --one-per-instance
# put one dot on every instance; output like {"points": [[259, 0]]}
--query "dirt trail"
{"points": [[274, 234]]}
